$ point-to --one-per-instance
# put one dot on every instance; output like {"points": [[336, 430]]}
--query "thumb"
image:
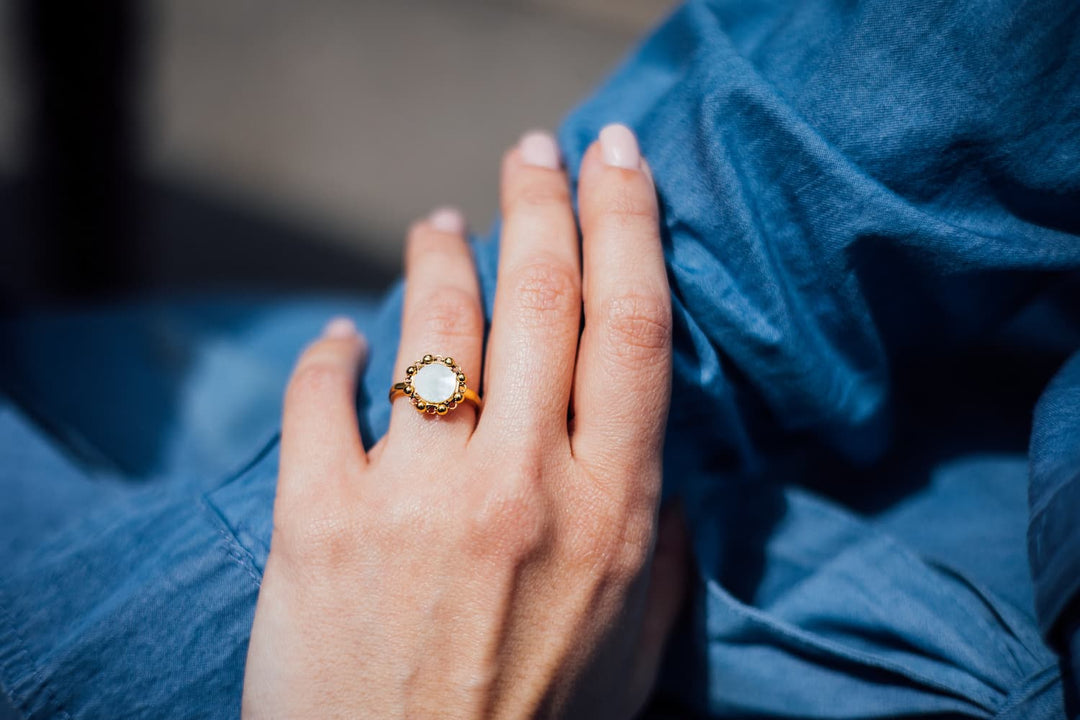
{"points": [[666, 594]]}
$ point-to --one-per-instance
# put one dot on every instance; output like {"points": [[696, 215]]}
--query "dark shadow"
{"points": [[75, 369], [7, 711], [190, 241], [82, 221], [80, 194], [984, 396], [197, 241]]}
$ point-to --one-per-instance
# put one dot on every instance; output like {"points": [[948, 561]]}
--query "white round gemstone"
{"points": [[435, 383]]}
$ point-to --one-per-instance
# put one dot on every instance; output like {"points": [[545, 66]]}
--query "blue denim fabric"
{"points": [[871, 217], [1054, 492]]}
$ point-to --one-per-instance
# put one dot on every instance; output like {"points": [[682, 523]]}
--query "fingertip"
{"points": [[615, 180], [619, 147], [538, 148], [343, 328], [447, 219], [442, 232], [532, 176], [340, 328], [597, 171], [339, 338]]}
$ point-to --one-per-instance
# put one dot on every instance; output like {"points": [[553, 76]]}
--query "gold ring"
{"points": [[435, 385]]}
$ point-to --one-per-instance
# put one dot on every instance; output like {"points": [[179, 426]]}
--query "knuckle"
{"points": [[403, 515], [627, 211], [615, 547], [533, 196], [636, 327], [449, 313], [322, 537], [511, 520], [633, 550], [545, 293], [314, 377]]}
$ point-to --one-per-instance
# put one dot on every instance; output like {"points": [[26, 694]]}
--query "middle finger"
{"points": [[537, 313]]}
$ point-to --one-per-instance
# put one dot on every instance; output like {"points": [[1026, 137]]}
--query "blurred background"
{"points": [[250, 145]]}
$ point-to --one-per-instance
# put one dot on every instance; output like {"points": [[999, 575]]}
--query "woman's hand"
{"points": [[500, 564]]}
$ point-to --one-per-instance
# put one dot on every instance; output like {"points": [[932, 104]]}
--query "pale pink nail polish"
{"points": [[447, 220], [539, 148], [340, 328], [619, 147]]}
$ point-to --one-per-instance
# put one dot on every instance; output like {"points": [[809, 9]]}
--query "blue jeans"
{"points": [[871, 219]]}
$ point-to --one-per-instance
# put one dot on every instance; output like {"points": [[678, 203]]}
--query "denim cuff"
{"points": [[1054, 501], [1054, 544]]}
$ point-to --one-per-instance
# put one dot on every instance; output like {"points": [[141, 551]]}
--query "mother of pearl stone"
{"points": [[435, 383]]}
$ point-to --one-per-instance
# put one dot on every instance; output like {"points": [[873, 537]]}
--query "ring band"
{"points": [[435, 385]]}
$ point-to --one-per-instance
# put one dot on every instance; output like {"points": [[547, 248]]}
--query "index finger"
{"points": [[623, 379]]}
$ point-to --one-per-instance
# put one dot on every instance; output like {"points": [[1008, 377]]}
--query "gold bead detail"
{"points": [[411, 370], [461, 378], [458, 397], [449, 361], [427, 360], [408, 389], [441, 409], [421, 405]]}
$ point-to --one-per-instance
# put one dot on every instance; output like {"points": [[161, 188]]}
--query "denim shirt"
{"points": [[871, 220]]}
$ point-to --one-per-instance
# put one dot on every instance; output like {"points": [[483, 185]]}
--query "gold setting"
{"points": [[422, 405]]}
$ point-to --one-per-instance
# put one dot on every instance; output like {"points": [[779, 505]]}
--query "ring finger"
{"points": [[441, 316]]}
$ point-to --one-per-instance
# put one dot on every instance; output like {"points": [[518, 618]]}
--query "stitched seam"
{"points": [[1033, 686], [233, 547], [821, 645]]}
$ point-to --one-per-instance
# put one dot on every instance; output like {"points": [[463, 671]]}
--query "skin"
{"points": [[506, 565]]}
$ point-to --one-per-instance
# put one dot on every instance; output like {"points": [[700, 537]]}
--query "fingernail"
{"points": [[538, 148], [619, 147], [447, 220], [340, 328]]}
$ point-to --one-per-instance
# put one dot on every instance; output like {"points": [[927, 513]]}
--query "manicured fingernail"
{"points": [[447, 220], [539, 148], [340, 328], [620, 147]]}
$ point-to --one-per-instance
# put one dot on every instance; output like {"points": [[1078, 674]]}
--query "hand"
{"points": [[498, 564]]}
